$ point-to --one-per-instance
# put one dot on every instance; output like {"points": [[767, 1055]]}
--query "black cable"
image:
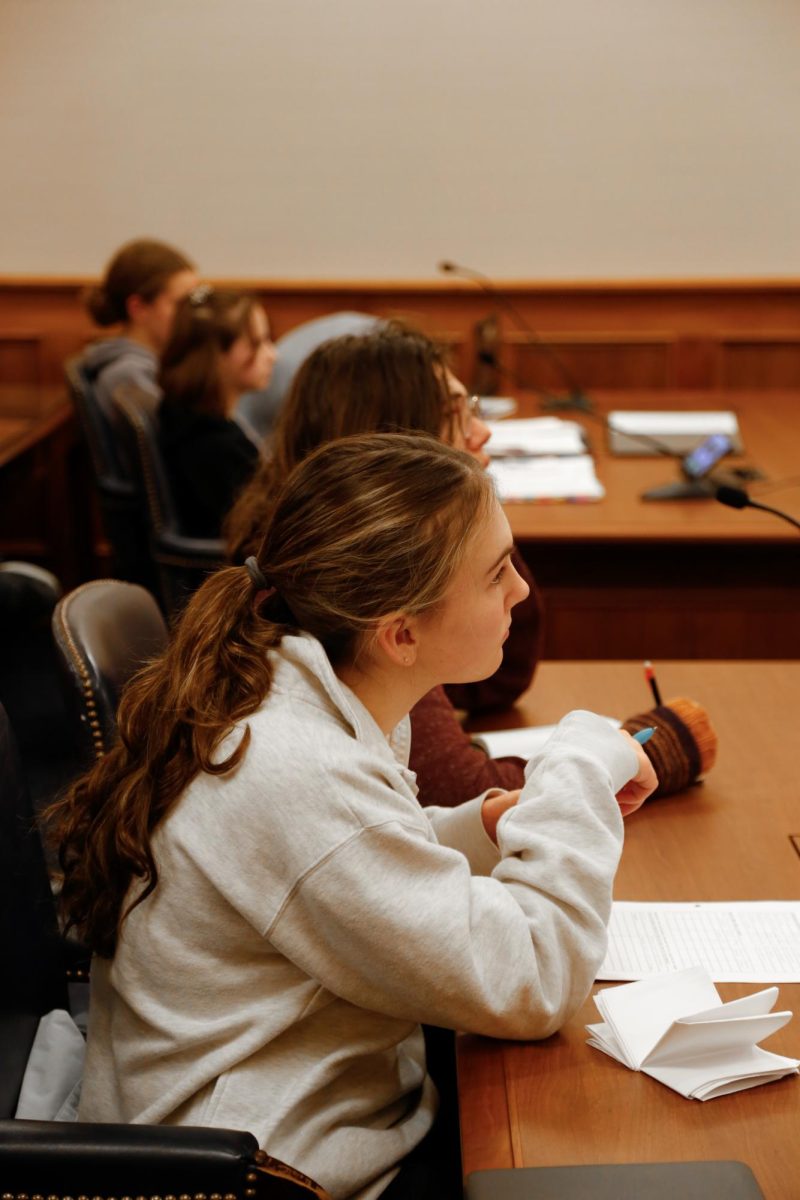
{"points": [[735, 497]]}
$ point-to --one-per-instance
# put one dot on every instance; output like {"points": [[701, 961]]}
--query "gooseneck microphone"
{"points": [[738, 498], [577, 399]]}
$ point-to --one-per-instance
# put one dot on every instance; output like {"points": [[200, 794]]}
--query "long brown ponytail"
{"points": [[364, 526]]}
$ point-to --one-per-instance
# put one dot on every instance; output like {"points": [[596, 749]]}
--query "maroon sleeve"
{"points": [[449, 768], [523, 649]]}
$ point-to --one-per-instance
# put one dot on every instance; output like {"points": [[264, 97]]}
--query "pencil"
{"points": [[650, 676]]}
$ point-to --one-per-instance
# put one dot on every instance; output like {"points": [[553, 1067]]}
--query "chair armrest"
{"points": [[55, 1158], [201, 551]]}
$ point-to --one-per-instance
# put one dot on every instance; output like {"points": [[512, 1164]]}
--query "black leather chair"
{"points": [[181, 562], [260, 409], [122, 508], [61, 1159], [104, 631]]}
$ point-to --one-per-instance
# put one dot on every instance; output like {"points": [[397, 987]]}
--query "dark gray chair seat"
{"points": [[104, 631]]}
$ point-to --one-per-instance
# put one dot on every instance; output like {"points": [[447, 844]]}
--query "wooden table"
{"points": [[560, 1102], [47, 513], [627, 577]]}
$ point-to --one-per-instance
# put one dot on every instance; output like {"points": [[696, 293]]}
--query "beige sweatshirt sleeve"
{"points": [[396, 922]]}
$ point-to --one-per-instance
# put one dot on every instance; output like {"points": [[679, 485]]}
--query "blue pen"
{"points": [[644, 735]]}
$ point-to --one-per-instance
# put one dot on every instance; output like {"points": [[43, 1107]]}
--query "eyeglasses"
{"points": [[465, 410]]}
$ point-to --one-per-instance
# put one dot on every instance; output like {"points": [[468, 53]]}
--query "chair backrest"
{"points": [[31, 948], [122, 505], [260, 409], [105, 630], [138, 416], [182, 562], [108, 461]]}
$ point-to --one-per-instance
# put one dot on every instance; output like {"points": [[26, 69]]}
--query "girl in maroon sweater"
{"points": [[396, 379]]}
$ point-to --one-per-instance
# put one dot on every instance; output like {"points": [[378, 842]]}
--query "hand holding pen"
{"points": [[644, 782]]}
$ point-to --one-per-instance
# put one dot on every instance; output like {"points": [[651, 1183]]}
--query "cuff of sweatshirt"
{"points": [[462, 828], [591, 733]]}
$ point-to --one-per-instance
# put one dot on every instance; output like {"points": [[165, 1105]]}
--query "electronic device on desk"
{"points": [[668, 432], [696, 467]]}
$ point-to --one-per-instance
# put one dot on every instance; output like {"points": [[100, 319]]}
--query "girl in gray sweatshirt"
{"points": [[273, 914]]}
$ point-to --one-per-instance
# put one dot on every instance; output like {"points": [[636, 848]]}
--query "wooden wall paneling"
{"points": [[760, 361], [597, 360], [729, 334], [665, 601], [619, 334], [20, 357]]}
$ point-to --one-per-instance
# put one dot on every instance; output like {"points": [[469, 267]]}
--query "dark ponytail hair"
{"points": [[140, 268], [363, 527]]}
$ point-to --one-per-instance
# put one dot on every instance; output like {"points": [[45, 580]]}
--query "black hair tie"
{"points": [[257, 576]]}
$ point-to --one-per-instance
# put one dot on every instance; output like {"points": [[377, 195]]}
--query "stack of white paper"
{"points": [[533, 436], [571, 477], [676, 1028]]}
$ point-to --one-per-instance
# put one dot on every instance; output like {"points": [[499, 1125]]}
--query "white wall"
{"points": [[540, 139]]}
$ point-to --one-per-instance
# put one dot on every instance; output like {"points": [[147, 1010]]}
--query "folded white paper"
{"points": [[676, 1028]]}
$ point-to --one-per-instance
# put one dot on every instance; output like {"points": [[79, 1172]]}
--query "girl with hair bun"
{"points": [[220, 348], [273, 914], [139, 291]]}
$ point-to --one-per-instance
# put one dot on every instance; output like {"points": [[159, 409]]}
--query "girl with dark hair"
{"points": [[392, 379], [272, 911], [219, 349], [139, 290]]}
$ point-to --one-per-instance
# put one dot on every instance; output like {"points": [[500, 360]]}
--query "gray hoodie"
{"points": [[309, 915], [118, 360]]}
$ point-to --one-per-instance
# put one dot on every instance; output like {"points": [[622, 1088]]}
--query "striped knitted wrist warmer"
{"points": [[684, 745]]}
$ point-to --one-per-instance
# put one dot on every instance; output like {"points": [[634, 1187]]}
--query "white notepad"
{"points": [[530, 436], [676, 1028], [571, 477], [520, 743]]}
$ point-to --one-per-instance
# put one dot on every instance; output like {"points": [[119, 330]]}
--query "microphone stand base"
{"points": [[685, 490]]}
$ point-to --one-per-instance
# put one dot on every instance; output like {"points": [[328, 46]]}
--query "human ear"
{"points": [[135, 307], [396, 638]]}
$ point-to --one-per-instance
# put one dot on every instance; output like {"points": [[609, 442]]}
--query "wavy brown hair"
{"points": [[392, 379], [207, 323], [143, 268], [363, 527]]}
